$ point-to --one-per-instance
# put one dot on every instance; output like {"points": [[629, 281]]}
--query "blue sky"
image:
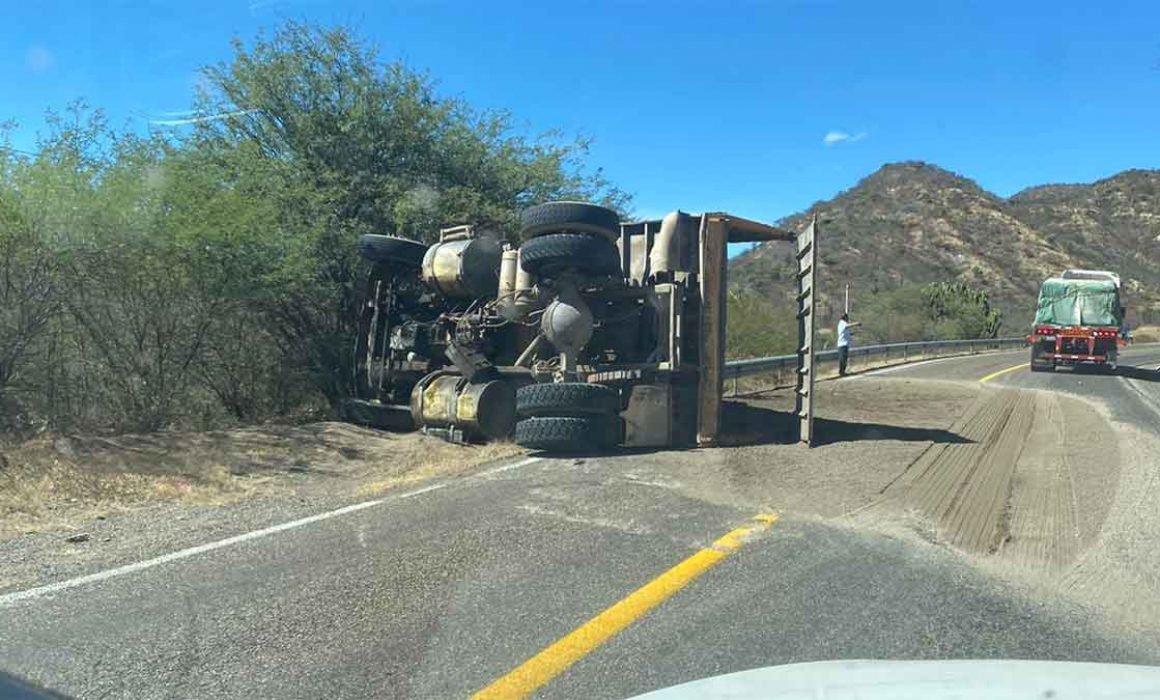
{"points": [[697, 105]]}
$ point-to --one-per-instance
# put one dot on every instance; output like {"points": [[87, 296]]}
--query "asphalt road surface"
{"points": [[468, 585], [1132, 394]]}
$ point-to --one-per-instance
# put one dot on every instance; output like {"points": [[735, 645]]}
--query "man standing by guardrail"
{"points": [[844, 334]]}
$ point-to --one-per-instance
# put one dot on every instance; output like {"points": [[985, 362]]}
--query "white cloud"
{"points": [[38, 59], [834, 137], [198, 119]]}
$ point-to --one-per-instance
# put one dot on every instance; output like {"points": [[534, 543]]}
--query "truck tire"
{"points": [[1038, 365], [569, 217], [567, 399], [568, 434], [551, 254], [391, 249]]}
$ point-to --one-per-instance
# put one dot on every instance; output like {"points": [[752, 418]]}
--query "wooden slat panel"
{"points": [[712, 282]]}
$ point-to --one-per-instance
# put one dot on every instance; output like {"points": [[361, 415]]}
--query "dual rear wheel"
{"points": [[570, 417], [574, 417], [570, 237]]}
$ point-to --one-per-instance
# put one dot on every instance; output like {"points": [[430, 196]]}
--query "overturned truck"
{"points": [[591, 333]]}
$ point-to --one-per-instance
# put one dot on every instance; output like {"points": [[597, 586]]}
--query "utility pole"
{"points": [[847, 297]]}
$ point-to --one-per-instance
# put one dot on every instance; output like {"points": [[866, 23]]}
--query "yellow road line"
{"points": [[555, 659], [1001, 372]]}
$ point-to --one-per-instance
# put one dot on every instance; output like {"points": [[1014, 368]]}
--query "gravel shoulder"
{"points": [[69, 506]]}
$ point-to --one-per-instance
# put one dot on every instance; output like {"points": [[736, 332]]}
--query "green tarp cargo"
{"points": [[1078, 302]]}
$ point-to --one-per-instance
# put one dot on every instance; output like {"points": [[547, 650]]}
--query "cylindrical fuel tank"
{"points": [[463, 269], [482, 409]]}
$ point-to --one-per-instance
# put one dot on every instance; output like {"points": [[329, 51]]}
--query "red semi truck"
{"points": [[1079, 320]]}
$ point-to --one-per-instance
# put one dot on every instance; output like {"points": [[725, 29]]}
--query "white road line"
{"points": [[909, 365], [508, 467], [10, 599], [933, 360], [1147, 400]]}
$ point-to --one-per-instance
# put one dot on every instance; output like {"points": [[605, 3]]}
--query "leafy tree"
{"points": [[754, 327], [28, 289], [961, 311], [893, 315], [937, 311]]}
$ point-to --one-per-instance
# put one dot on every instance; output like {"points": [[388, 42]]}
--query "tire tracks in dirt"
{"points": [[1019, 485]]}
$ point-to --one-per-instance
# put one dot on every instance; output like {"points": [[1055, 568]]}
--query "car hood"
{"points": [[924, 680]]}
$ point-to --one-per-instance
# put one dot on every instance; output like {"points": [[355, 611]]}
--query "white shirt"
{"points": [[843, 334]]}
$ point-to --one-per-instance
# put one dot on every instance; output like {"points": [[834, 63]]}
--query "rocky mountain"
{"points": [[916, 223]]}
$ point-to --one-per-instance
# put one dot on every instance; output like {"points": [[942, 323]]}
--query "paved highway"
{"points": [[1132, 395], [558, 578]]}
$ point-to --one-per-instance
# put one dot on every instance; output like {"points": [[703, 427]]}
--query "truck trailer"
{"points": [[1078, 321]]}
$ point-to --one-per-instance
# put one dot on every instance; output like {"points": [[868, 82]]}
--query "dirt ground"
{"points": [[867, 432], [1146, 334], [1030, 482], [55, 483], [1023, 475], [1040, 488]]}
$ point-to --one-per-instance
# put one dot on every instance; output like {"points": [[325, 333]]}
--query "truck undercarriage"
{"points": [[590, 333]]}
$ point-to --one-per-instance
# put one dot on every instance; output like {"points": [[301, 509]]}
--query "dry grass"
{"points": [[52, 481], [432, 460], [1146, 334]]}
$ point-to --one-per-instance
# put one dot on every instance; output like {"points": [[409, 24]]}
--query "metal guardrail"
{"points": [[904, 352]]}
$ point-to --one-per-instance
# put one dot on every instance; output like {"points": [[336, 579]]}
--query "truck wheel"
{"points": [[571, 217], [1038, 365], [551, 254], [568, 434], [391, 249], [567, 399]]}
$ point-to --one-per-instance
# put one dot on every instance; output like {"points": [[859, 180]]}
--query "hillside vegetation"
{"points": [[208, 276], [911, 224]]}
